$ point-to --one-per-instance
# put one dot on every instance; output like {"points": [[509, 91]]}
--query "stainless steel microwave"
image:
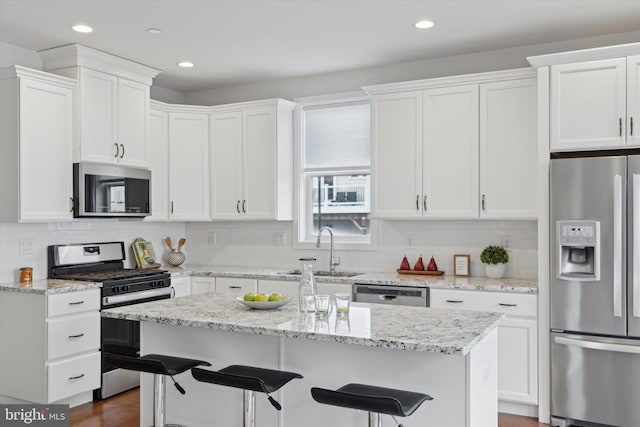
{"points": [[103, 190]]}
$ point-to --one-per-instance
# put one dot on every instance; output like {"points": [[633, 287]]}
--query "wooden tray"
{"points": [[422, 272]]}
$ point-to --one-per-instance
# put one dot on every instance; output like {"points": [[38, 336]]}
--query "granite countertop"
{"points": [[49, 286], [528, 286], [446, 331]]}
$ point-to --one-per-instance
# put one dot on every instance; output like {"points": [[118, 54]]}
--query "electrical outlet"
{"points": [[410, 241], [26, 247], [506, 241], [486, 371], [279, 238], [212, 238]]}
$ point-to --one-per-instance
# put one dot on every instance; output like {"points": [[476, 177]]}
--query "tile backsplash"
{"points": [[254, 244]]}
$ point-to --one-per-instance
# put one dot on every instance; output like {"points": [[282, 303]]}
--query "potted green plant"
{"points": [[494, 259]]}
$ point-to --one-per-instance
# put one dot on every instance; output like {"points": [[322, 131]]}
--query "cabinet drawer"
{"points": [[514, 304], [73, 376], [236, 285], [73, 334], [73, 302]]}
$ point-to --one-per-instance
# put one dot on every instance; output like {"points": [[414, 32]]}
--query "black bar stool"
{"points": [[160, 365], [375, 400], [250, 379]]}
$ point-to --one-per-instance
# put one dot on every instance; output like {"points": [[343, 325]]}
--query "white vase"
{"points": [[494, 271]]}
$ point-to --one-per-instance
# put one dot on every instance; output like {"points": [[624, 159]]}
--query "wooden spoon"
{"points": [[168, 242], [181, 243]]}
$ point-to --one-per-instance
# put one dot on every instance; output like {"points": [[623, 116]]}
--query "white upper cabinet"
{"points": [[252, 161], [508, 149], [188, 166], [112, 103], [397, 155], [633, 100], [158, 159], [36, 134], [454, 150], [450, 152], [588, 105]]}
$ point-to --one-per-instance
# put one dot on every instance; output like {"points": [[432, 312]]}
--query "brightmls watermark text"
{"points": [[34, 415]]}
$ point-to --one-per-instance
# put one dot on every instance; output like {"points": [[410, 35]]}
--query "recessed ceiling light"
{"points": [[154, 31], [81, 28], [185, 64], [423, 25]]}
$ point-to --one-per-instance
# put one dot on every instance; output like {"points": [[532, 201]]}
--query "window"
{"points": [[335, 171]]}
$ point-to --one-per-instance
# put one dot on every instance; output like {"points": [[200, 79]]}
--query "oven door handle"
{"points": [[133, 296]]}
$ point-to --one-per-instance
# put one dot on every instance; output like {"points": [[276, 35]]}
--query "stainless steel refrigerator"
{"points": [[595, 291]]}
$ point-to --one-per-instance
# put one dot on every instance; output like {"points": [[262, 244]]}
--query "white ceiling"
{"points": [[235, 42]]}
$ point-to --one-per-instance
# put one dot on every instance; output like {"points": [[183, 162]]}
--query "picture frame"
{"points": [[462, 265]]}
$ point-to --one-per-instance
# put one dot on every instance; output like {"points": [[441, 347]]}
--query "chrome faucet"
{"points": [[332, 263]]}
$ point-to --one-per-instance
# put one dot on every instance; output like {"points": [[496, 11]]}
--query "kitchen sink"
{"points": [[323, 273]]}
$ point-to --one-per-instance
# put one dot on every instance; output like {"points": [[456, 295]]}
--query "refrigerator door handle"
{"points": [[597, 345], [617, 246], [636, 245]]}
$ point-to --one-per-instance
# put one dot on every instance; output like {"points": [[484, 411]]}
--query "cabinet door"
{"points": [[236, 285], [259, 163], [396, 155], [46, 136], [202, 285], [158, 159], [133, 110], [587, 105], [450, 152], [226, 165], [518, 360], [508, 149], [181, 286], [98, 114], [633, 100], [188, 167]]}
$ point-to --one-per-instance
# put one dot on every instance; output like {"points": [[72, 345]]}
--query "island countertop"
{"points": [[445, 331]]}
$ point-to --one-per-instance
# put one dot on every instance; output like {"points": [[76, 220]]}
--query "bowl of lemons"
{"points": [[263, 301]]}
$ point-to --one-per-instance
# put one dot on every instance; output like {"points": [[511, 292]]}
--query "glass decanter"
{"points": [[307, 288]]}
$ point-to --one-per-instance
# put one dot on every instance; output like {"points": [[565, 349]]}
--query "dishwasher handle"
{"points": [[387, 297]]}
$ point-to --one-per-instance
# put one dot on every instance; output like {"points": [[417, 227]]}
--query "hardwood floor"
{"points": [[123, 411]]}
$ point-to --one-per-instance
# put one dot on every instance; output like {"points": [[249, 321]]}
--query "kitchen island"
{"points": [[449, 354]]}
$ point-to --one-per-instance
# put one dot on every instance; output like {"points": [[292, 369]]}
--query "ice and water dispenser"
{"points": [[579, 250]]}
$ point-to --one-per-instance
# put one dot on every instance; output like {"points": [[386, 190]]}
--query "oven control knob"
{"points": [[125, 288], [116, 289]]}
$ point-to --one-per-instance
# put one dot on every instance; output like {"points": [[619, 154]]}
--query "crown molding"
{"points": [[77, 55], [487, 77], [17, 71], [607, 52]]}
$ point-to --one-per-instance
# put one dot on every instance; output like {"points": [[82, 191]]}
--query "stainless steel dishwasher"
{"points": [[395, 295]]}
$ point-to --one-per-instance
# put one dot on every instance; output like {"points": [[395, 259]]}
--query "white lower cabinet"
{"points": [[202, 285], [283, 287], [236, 285], [54, 351], [181, 286], [517, 339]]}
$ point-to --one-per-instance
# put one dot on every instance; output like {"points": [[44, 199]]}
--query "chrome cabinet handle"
{"points": [[631, 126], [455, 301], [122, 155], [244, 206], [173, 292], [418, 202], [71, 199], [172, 206], [76, 303], [238, 206], [424, 203], [235, 287], [620, 126], [76, 336], [504, 304], [76, 377], [484, 202], [117, 150]]}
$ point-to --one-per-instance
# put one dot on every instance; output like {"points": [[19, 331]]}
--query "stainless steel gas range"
{"points": [[104, 262]]}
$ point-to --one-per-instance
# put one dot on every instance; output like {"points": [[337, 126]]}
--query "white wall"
{"points": [[251, 243], [15, 55], [353, 80], [79, 231], [169, 96]]}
